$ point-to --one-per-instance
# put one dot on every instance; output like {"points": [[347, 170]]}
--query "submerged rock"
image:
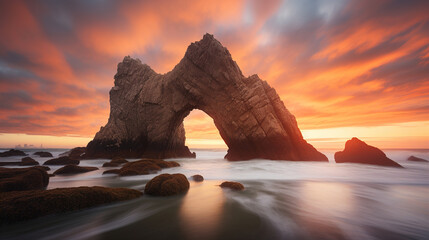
{"points": [[12, 152], [74, 169], [19, 206], [43, 154], [357, 151], [247, 111], [28, 161], [417, 159], [197, 178], [232, 185], [167, 185], [62, 161], [20, 179]]}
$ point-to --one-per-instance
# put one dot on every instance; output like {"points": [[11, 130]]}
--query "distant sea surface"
{"points": [[282, 200]]}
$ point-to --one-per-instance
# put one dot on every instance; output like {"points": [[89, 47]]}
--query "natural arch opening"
{"points": [[201, 132]]}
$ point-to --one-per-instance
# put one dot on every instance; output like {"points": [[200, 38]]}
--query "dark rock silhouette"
{"points": [[147, 110], [145, 166], [62, 161], [232, 185], [28, 161], [43, 154], [115, 162], [74, 169], [417, 159], [197, 178], [12, 152], [357, 151], [20, 179], [167, 185], [75, 153], [24, 205], [112, 171]]}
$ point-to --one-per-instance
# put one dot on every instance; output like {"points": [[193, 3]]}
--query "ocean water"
{"points": [[282, 200]]}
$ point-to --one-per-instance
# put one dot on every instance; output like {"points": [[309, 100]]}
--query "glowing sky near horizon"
{"points": [[344, 68]]}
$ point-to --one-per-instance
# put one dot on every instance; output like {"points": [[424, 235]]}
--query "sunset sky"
{"points": [[344, 68]]}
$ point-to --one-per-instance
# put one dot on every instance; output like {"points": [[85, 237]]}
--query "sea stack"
{"points": [[147, 110], [357, 151]]}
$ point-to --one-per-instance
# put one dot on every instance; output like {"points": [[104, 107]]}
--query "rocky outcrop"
{"points": [[197, 178], [25, 205], [416, 159], [357, 151], [232, 185], [167, 185], [12, 152], [62, 161], [147, 110], [74, 169], [20, 179], [43, 154], [144, 167]]}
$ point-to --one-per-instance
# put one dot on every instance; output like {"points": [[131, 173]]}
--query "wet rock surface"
{"points": [[74, 169], [24, 205], [20, 179], [232, 185], [416, 159], [43, 154], [12, 152], [62, 161], [167, 185], [197, 178]]}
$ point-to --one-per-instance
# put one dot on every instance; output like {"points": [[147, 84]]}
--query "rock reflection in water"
{"points": [[202, 209]]}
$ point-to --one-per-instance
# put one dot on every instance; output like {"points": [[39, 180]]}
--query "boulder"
{"points": [[417, 159], [20, 179], [357, 151], [74, 169], [145, 166], [19, 206], [197, 178], [75, 153], [232, 185], [28, 161], [12, 152], [167, 185], [62, 161], [43, 154], [249, 114]]}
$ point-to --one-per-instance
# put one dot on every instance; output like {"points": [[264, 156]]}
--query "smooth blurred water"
{"points": [[282, 200]]}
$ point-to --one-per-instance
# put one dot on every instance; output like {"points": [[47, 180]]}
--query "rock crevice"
{"points": [[147, 110]]}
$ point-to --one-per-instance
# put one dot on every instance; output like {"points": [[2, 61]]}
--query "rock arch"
{"points": [[147, 110]]}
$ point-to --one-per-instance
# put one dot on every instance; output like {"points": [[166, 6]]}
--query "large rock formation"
{"points": [[147, 110], [357, 151]]}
